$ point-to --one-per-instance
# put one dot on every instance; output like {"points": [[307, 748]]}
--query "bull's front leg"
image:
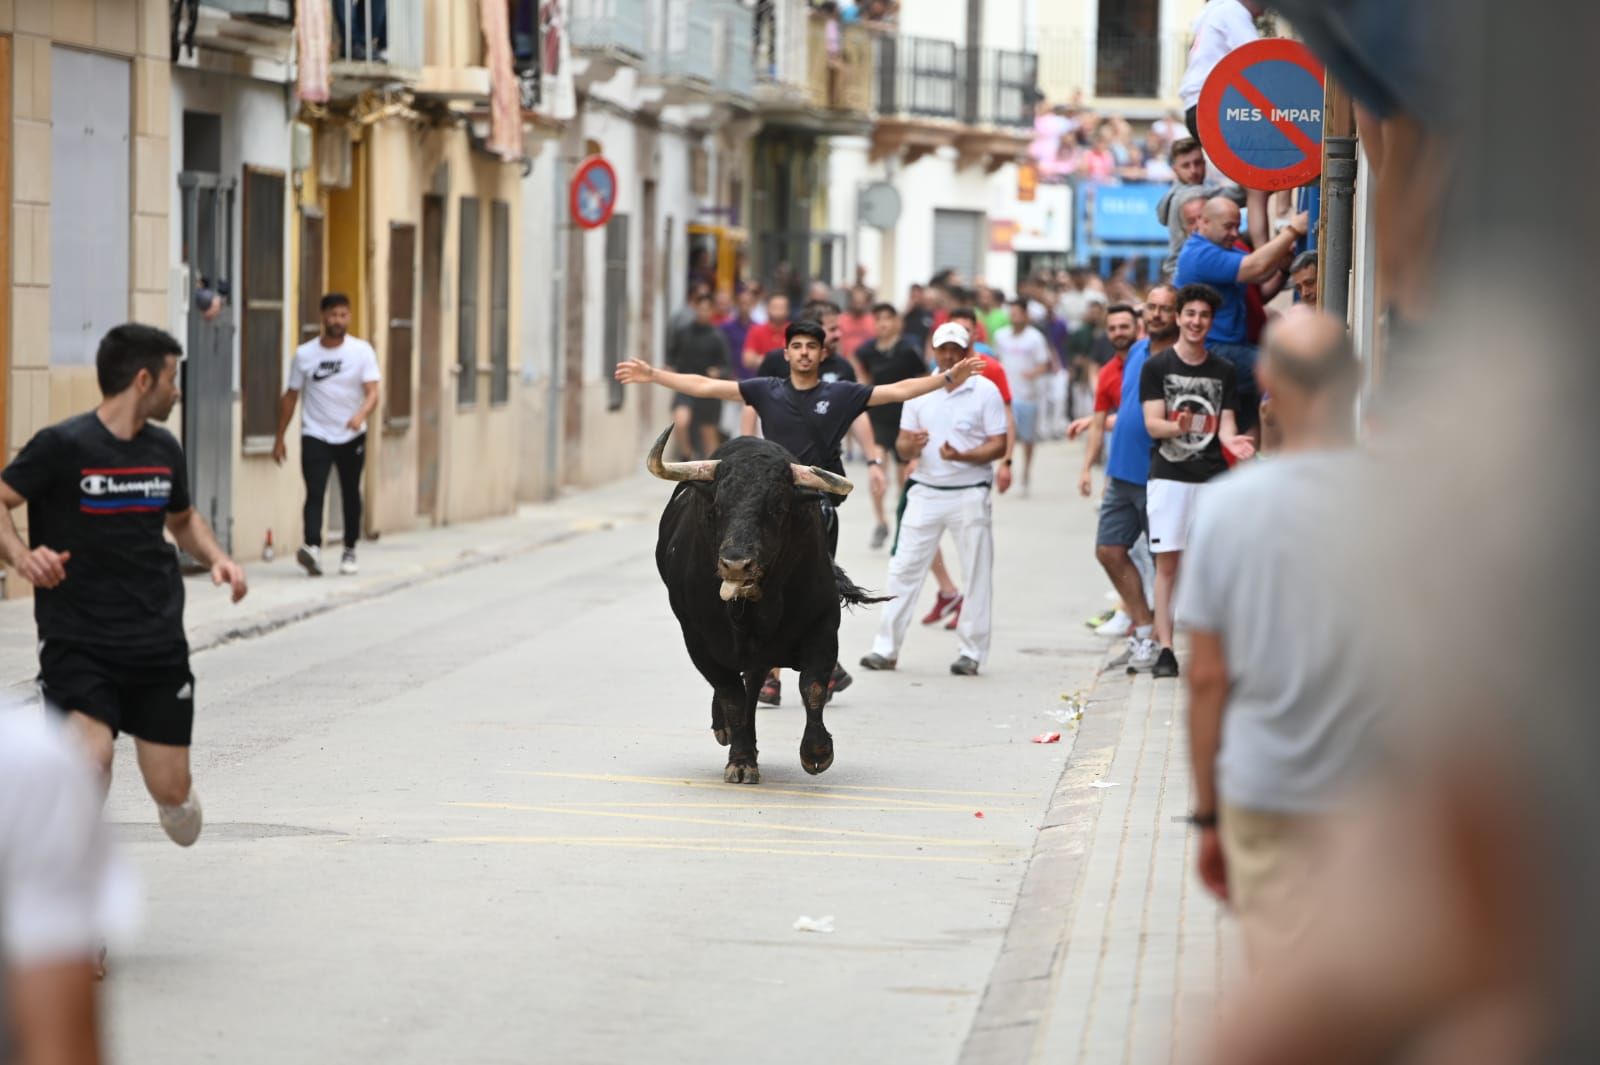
{"points": [[741, 720], [816, 746]]}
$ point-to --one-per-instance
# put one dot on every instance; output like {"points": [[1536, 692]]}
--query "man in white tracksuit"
{"points": [[955, 435]]}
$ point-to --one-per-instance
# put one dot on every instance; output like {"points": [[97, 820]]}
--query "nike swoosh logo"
{"points": [[322, 375]]}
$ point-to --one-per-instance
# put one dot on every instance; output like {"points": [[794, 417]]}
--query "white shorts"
{"points": [[1170, 508]]}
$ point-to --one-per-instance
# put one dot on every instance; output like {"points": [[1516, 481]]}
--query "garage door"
{"points": [[958, 242]]}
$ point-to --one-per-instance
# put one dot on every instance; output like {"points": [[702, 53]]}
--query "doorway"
{"points": [[431, 362], [207, 206]]}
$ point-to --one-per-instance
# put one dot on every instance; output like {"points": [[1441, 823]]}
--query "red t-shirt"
{"points": [[1108, 386], [764, 337], [997, 374]]}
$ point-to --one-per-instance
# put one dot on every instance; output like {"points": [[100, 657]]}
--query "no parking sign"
{"points": [[1260, 115]]}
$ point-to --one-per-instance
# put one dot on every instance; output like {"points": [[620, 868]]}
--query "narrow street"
{"points": [[481, 819]]}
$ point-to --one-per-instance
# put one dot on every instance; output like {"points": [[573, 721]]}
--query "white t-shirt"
{"points": [[964, 417], [1223, 26], [1021, 354], [331, 385]]}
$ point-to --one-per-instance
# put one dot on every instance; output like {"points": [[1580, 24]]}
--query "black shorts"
{"points": [[148, 694], [701, 411]]}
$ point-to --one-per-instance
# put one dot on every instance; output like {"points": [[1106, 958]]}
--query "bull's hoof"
{"points": [[741, 774], [724, 735], [816, 757]]}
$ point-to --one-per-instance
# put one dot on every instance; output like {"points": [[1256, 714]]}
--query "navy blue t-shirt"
{"points": [[811, 424]]}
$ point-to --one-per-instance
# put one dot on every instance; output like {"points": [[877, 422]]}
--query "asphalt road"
{"points": [[483, 820]]}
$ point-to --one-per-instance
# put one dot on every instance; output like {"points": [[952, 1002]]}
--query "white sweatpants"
{"points": [[929, 512]]}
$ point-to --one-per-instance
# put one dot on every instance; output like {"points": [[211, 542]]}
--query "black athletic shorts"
{"points": [[148, 694], [701, 411]]}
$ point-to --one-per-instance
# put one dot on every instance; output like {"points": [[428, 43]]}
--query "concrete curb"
{"points": [[1014, 1013]]}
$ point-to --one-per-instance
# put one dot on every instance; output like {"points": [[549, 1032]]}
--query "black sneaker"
{"points": [[1166, 665], [771, 692], [839, 681]]}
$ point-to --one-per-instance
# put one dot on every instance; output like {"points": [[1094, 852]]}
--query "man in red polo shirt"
{"points": [[1122, 329]]}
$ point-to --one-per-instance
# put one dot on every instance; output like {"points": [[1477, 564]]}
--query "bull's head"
{"points": [[753, 499]]}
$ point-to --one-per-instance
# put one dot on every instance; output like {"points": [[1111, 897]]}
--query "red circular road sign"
{"points": [[1260, 115], [593, 195]]}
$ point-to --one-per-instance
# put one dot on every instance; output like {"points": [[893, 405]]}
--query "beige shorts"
{"points": [[1274, 861]]}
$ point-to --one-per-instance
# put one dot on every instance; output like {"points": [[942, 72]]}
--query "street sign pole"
{"points": [[1336, 236]]}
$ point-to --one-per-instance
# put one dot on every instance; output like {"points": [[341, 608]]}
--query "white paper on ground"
{"points": [[813, 924]]}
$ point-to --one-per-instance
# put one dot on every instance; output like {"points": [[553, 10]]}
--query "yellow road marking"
{"points": [[720, 849], [826, 791], [719, 823]]}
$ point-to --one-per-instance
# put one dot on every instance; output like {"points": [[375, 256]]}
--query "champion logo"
{"points": [[821, 407], [125, 490]]}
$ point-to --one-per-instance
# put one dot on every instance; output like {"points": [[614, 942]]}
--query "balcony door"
{"points": [[1128, 49]]}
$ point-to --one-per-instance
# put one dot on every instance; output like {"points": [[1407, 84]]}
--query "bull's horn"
{"points": [[820, 479], [677, 471]]}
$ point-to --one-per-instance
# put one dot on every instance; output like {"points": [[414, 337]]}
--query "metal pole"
{"points": [[1336, 236]]}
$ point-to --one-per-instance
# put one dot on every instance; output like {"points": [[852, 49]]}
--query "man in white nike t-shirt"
{"points": [[339, 375]]}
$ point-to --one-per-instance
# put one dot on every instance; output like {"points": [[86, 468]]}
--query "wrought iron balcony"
{"points": [[927, 78], [377, 39], [612, 29]]}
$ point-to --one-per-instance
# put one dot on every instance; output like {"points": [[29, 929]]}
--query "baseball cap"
{"points": [[951, 333]]}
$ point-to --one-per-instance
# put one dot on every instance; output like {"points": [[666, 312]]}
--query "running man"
{"points": [[804, 413], [101, 488], [955, 435], [339, 375]]}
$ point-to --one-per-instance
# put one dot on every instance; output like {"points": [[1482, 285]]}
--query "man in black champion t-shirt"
{"points": [[101, 488], [804, 413]]}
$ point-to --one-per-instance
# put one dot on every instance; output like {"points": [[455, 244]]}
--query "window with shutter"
{"points": [[311, 279], [500, 301], [402, 323], [467, 305], [261, 333]]}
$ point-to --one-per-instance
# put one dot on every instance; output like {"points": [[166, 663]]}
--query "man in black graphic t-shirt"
{"points": [[1190, 402], [803, 413], [101, 488], [888, 357]]}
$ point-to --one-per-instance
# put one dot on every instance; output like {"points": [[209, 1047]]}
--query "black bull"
{"points": [[744, 557]]}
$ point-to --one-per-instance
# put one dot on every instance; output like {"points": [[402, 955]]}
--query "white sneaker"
{"points": [[1119, 625], [347, 562], [182, 823], [1142, 654], [310, 557]]}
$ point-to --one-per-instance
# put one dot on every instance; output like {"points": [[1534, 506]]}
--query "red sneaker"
{"points": [[942, 605], [955, 618]]}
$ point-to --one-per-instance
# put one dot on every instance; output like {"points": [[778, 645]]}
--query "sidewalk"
{"points": [[1115, 953], [281, 593]]}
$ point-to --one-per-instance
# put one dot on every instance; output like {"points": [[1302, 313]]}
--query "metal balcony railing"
{"points": [[378, 32], [1147, 67], [616, 26], [930, 78], [688, 45], [735, 49]]}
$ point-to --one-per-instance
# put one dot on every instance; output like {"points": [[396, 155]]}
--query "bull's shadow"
{"points": [[745, 550]]}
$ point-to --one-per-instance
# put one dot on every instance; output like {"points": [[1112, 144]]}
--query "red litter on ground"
{"points": [[1047, 737], [978, 813]]}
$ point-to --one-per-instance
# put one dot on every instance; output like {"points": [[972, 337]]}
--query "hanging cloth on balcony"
{"points": [[505, 106], [315, 45]]}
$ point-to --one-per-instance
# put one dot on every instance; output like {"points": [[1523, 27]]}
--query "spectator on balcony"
{"points": [[1156, 166], [363, 29], [1099, 162], [1169, 129]]}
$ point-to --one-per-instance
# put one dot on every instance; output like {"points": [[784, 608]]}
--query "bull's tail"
{"points": [[852, 595]]}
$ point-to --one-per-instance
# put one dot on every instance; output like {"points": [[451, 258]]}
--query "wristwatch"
{"points": [[948, 379]]}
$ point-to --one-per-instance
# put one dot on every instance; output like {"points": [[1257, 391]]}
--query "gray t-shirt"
{"points": [[1271, 568]]}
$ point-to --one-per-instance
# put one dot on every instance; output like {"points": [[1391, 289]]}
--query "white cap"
{"points": [[951, 333]]}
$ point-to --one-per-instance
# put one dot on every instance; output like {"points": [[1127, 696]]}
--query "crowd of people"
{"points": [[1073, 140]]}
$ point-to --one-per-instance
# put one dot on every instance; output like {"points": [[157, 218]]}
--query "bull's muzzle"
{"points": [[741, 579]]}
